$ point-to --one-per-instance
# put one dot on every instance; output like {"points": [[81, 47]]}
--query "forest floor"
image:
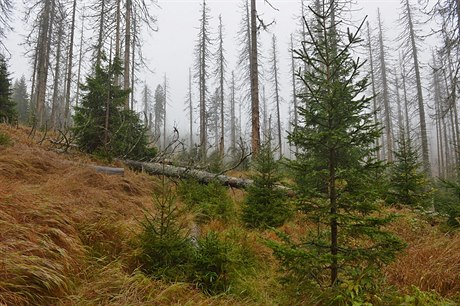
{"points": [[67, 238]]}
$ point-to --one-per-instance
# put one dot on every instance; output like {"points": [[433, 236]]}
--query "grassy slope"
{"points": [[66, 233]]}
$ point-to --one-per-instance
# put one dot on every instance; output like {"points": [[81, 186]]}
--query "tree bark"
{"points": [[232, 115], [165, 92], [80, 57], [126, 63], [109, 170], [294, 89], [117, 38], [254, 65], [69, 66], [46, 26], [421, 106], [221, 89], [57, 74], [374, 91], [190, 106], [277, 95], [385, 94], [100, 35], [182, 172]]}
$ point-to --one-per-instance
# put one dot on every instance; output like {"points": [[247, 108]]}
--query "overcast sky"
{"points": [[170, 50]]}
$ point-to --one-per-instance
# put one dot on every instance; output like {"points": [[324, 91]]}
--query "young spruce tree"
{"points": [[335, 165], [102, 125], [265, 205], [7, 105], [408, 183]]}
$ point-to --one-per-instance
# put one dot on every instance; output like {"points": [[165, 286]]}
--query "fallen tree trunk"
{"points": [[182, 172], [109, 170]]}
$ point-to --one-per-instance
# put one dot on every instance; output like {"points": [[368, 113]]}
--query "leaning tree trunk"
{"points": [[374, 91], [385, 94], [421, 106]]}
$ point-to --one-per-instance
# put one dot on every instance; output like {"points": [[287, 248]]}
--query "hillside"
{"points": [[67, 237], [65, 232]]}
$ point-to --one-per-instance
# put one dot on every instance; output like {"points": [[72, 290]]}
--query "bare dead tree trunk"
{"points": [[398, 102], [70, 66], [265, 131], [453, 82], [406, 101], [294, 88], [80, 58], [438, 118], [43, 59], [277, 94], [133, 62], [190, 107], [165, 86], [421, 105], [100, 37], [221, 89], [202, 83], [254, 66], [117, 38], [385, 93], [233, 114], [33, 100], [374, 92], [127, 71], [57, 74]]}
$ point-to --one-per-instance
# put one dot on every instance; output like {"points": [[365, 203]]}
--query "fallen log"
{"points": [[109, 170], [183, 172]]}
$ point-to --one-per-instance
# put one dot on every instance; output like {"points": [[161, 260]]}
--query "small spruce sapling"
{"points": [[265, 204], [167, 250], [408, 183]]}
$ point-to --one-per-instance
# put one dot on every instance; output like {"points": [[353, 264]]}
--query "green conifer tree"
{"points": [[265, 205], [7, 106], [335, 165], [408, 183], [21, 99], [102, 125]]}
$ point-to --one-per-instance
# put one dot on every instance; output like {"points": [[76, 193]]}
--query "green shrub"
{"points": [[266, 205], [5, 140], [167, 251], [447, 201], [219, 263], [215, 162], [418, 297], [211, 201]]}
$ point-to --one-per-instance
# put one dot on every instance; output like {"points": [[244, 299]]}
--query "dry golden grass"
{"points": [[66, 233], [431, 260], [111, 285]]}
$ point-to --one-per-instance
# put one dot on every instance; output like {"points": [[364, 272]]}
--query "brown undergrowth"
{"points": [[66, 238], [431, 260], [66, 231]]}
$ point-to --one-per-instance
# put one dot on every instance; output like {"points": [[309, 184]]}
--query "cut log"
{"points": [[182, 172], [109, 170]]}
